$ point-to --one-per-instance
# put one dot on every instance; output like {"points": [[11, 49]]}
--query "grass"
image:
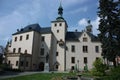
{"points": [[42, 76]]}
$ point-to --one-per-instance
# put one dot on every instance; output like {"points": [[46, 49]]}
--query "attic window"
{"points": [[85, 39], [21, 29], [30, 27], [84, 35]]}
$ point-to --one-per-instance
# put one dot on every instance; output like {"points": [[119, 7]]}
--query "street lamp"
{"points": [[78, 64]]}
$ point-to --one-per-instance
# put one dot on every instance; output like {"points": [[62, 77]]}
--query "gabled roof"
{"points": [[74, 36], [34, 27]]}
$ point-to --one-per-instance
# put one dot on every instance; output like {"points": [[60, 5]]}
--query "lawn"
{"points": [[42, 76]]}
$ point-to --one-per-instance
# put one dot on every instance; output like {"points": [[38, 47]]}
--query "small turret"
{"points": [[89, 27]]}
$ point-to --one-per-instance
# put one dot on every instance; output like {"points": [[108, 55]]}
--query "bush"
{"points": [[96, 73], [99, 68], [115, 72]]}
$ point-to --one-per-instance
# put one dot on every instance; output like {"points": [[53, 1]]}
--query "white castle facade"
{"points": [[33, 46]]}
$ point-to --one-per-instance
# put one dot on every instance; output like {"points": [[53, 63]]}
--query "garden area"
{"points": [[99, 72]]}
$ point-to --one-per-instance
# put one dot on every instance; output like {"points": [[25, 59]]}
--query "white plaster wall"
{"points": [[60, 49], [13, 61], [24, 44], [46, 45], [79, 54]]}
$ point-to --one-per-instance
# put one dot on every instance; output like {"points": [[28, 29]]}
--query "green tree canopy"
{"points": [[109, 27]]}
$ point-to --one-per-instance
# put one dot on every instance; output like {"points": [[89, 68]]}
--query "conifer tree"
{"points": [[109, 27]]}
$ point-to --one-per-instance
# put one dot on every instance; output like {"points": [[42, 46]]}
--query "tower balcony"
{"points": [[61, 42]]}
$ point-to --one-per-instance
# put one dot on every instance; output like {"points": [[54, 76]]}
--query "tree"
{"points": [[1, 54], [109, 27], [99, 67]]}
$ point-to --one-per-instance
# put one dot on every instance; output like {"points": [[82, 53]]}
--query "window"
{"points": [[85, 49], [57, 31], [97, 49], [27, 37], [60, 24], [72, 59], [97, 58], [42, 51], [19, 50], [56, 53], [15, 39], [9, 62], [43, 38], [73, 48], [85, 60], [84, 39], [20, 38], [84, 34], [66, 48], [72, 67], [27, 64], [55, 24], [14, 50], [16, 63], [56, 66], [21, 63]]}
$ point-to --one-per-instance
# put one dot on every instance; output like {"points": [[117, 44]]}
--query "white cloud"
{"points": [[95, 24], [20, 17], [83, 23]]}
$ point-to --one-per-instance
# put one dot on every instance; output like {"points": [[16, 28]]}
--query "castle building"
{"points": [[33, 46]]}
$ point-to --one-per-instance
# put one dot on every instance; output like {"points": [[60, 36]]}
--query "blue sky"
{"points": [[16, 14]]}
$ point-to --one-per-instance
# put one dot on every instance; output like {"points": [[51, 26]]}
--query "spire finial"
{"points": [[88, 21], [60, 9], [60, 12]]}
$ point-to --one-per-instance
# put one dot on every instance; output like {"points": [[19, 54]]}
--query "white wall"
{"points": [[60, 49], [79, 54], [46, 44], [24, 44], [13, 60]]}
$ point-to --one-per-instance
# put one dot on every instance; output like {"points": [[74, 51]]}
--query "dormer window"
{"points": [[22, 29]]}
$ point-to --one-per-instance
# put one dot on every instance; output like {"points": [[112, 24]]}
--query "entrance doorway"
{"points": [[41, 66]]}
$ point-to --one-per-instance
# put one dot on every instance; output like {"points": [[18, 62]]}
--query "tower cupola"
{"points": [[60, 13], [89, 27]]}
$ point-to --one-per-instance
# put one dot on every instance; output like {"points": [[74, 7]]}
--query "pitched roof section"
{"points": [[74, 36], [45, 30], [93, 37], [34, 27]]}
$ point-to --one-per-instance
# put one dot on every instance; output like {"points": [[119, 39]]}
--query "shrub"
{"points": [[115, 72], [99, 68]]}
